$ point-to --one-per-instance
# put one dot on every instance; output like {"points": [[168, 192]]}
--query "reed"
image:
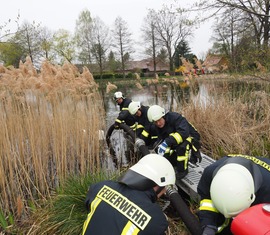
{"points": [[232, 123], [50, 122]]}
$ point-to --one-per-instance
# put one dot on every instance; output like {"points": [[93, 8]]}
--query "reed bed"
{"points": [[50, 122], [232, 123]]}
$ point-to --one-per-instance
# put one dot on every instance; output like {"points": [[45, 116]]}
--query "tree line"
{"points": [[241, 34]]}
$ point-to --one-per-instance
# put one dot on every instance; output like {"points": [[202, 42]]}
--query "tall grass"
{"points": [[49, 125], [233, 123]]}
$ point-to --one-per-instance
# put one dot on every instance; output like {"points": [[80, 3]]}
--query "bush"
{"points": [[104, 76]]}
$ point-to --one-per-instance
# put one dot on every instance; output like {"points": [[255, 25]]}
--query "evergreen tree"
{"points": [[183, 51]]}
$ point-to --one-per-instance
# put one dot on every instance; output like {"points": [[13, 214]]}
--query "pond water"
{"points": [[168, 97], [172, 97]]}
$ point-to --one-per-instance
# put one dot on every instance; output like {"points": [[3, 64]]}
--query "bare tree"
{"points": [[256, 13], [100, 43], [28, 37], [5, 31], [122, 42], [150, 37], [172, 27]]}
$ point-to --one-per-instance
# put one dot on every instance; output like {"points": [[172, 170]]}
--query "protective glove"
{"points": [[195, 157], [209, 230], [162, 148]]}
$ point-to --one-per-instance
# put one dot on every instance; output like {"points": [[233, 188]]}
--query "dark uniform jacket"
{"points": [[116, 209], [142, 121], [258, 169], [124, 115], [175, 125]]}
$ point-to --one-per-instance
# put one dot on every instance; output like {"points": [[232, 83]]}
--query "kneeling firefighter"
{"points": [[178, 139], [128, 205]]}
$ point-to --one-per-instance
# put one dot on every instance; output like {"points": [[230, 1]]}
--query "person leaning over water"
{"points": [[177, 138], [128, 206], [139, 111], [124, 116]]}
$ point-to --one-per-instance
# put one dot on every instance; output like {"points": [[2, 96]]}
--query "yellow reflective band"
{"points": [[182, 158], [126, 207], [145, 133], [177, 137], [124, 108], [130, 229], [254, 159], [139, 126], [133, 127], [118, 120], [93, 207], [207, 205]]}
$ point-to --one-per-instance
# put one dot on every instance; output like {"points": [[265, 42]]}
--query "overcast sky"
{"points": [[57, 14]]}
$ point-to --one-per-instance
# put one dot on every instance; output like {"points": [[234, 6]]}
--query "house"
{"points": [[215, 63], [147, 66]]}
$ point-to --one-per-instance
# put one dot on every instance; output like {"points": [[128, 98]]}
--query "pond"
{"points": [[169, 97], [172, 97]]}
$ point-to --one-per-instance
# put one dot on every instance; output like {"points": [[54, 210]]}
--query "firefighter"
{"points": [[228, 187], [124, 115], [139, 111], [129, 206], [177, 137]]}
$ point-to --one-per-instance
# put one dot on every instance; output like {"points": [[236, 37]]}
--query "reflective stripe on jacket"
{"points": [[116, 209]]}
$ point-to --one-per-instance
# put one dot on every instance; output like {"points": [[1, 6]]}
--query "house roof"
{"points": [[212, 60]]}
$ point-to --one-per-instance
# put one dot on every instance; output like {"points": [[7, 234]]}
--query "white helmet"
{"points": [[133, 107], [232, 189], [149, 171], [118, 95], [155, 112]]}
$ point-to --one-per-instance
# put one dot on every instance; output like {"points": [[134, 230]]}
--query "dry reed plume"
{"points": [[110, 87], [49, 129], [233, 125]]}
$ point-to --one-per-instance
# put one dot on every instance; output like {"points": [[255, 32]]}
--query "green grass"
{"points": [[65, 213]]}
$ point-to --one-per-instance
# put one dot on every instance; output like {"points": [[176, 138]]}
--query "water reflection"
{"points": [[173, 96], [202, 97], [168, 96]]}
